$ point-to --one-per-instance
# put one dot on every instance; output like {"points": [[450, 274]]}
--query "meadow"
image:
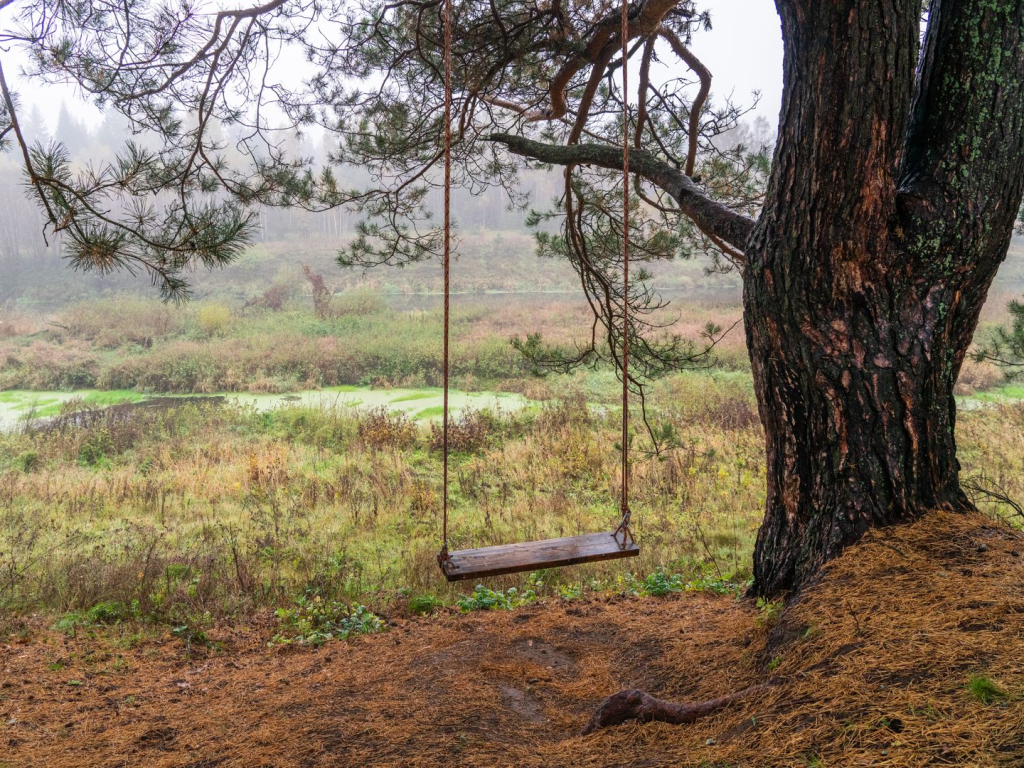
{"points": [[188, 513], [192, 514]]}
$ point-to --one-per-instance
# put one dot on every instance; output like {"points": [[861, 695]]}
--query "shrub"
{"points": [[27, 461], [379, 428], [570, 591], [117, 322], [322, 294], [466, 434], [110, 612], [720, 586], [191, 635], [43, 364], [314, 621], [273, 298], [213, 319], [360, 301], [770, 611], [717, 401], [14, 323], [107, 612], [93, 450], [978, 376]]}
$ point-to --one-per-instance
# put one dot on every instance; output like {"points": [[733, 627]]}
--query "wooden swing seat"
{"points": [[533, 555]]}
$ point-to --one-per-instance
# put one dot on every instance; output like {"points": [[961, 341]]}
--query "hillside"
{"points": [[907, 652]]}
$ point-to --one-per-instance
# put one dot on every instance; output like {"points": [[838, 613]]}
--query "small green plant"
{"points": [[628, 585], [770, 611], [893, 724], [93, 450], [111, 612], [424, 603], [484, 599], [190, 635], [775, 663], [570, 591], [661, 583], [928, 711], [314, 621], [719, 586], [69, 622], [986, 690], [107, 613]]}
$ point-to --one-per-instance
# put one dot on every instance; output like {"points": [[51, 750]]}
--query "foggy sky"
{"points": [[743, 51]]}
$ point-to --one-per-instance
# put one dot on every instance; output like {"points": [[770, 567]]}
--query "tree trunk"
{"points": [[857, 404], [887, 215]]}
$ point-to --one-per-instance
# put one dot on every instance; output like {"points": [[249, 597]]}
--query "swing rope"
{"points": [[626, 515], [443, 555], [624, 524]]}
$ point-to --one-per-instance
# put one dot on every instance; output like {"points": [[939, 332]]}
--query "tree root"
{"points": [[641, 706]]}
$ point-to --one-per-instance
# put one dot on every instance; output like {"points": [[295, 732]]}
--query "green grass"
{"points": [[986, 690], [35, 402], [228, 510], [113, 397], [131, 344], [433, 412], [199, 510], [414, 396]]}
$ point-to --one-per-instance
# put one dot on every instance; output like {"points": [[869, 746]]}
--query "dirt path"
{"points": [[876, 658]]}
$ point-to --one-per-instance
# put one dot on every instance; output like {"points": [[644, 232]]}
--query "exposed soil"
{"points": [[874, 659]]}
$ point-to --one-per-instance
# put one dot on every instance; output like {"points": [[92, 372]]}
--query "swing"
{"points": [[546, 553]]}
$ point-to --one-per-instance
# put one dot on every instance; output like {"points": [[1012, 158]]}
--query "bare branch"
{"points": [[702, 95], [710, 216]]}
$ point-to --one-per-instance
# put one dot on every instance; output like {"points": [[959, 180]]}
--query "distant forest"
{"points": [[33, 271]]}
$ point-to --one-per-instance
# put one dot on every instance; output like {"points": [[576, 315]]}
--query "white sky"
{"points": [[743, 51]]}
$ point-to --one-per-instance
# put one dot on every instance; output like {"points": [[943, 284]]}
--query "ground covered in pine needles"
{"points": [[909, 651]]}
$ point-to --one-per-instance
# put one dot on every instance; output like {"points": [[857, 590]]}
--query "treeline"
{"points": [[21, 226], [32, 269]]}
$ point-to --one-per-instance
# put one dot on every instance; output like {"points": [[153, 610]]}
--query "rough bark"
{"points": [[885, 220]]}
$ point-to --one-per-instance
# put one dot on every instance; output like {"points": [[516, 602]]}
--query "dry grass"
{"points": [[201, 510], [16, 323], [875, 660], [128, 343], [977, 377], [881, 652], [224, 511]]}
